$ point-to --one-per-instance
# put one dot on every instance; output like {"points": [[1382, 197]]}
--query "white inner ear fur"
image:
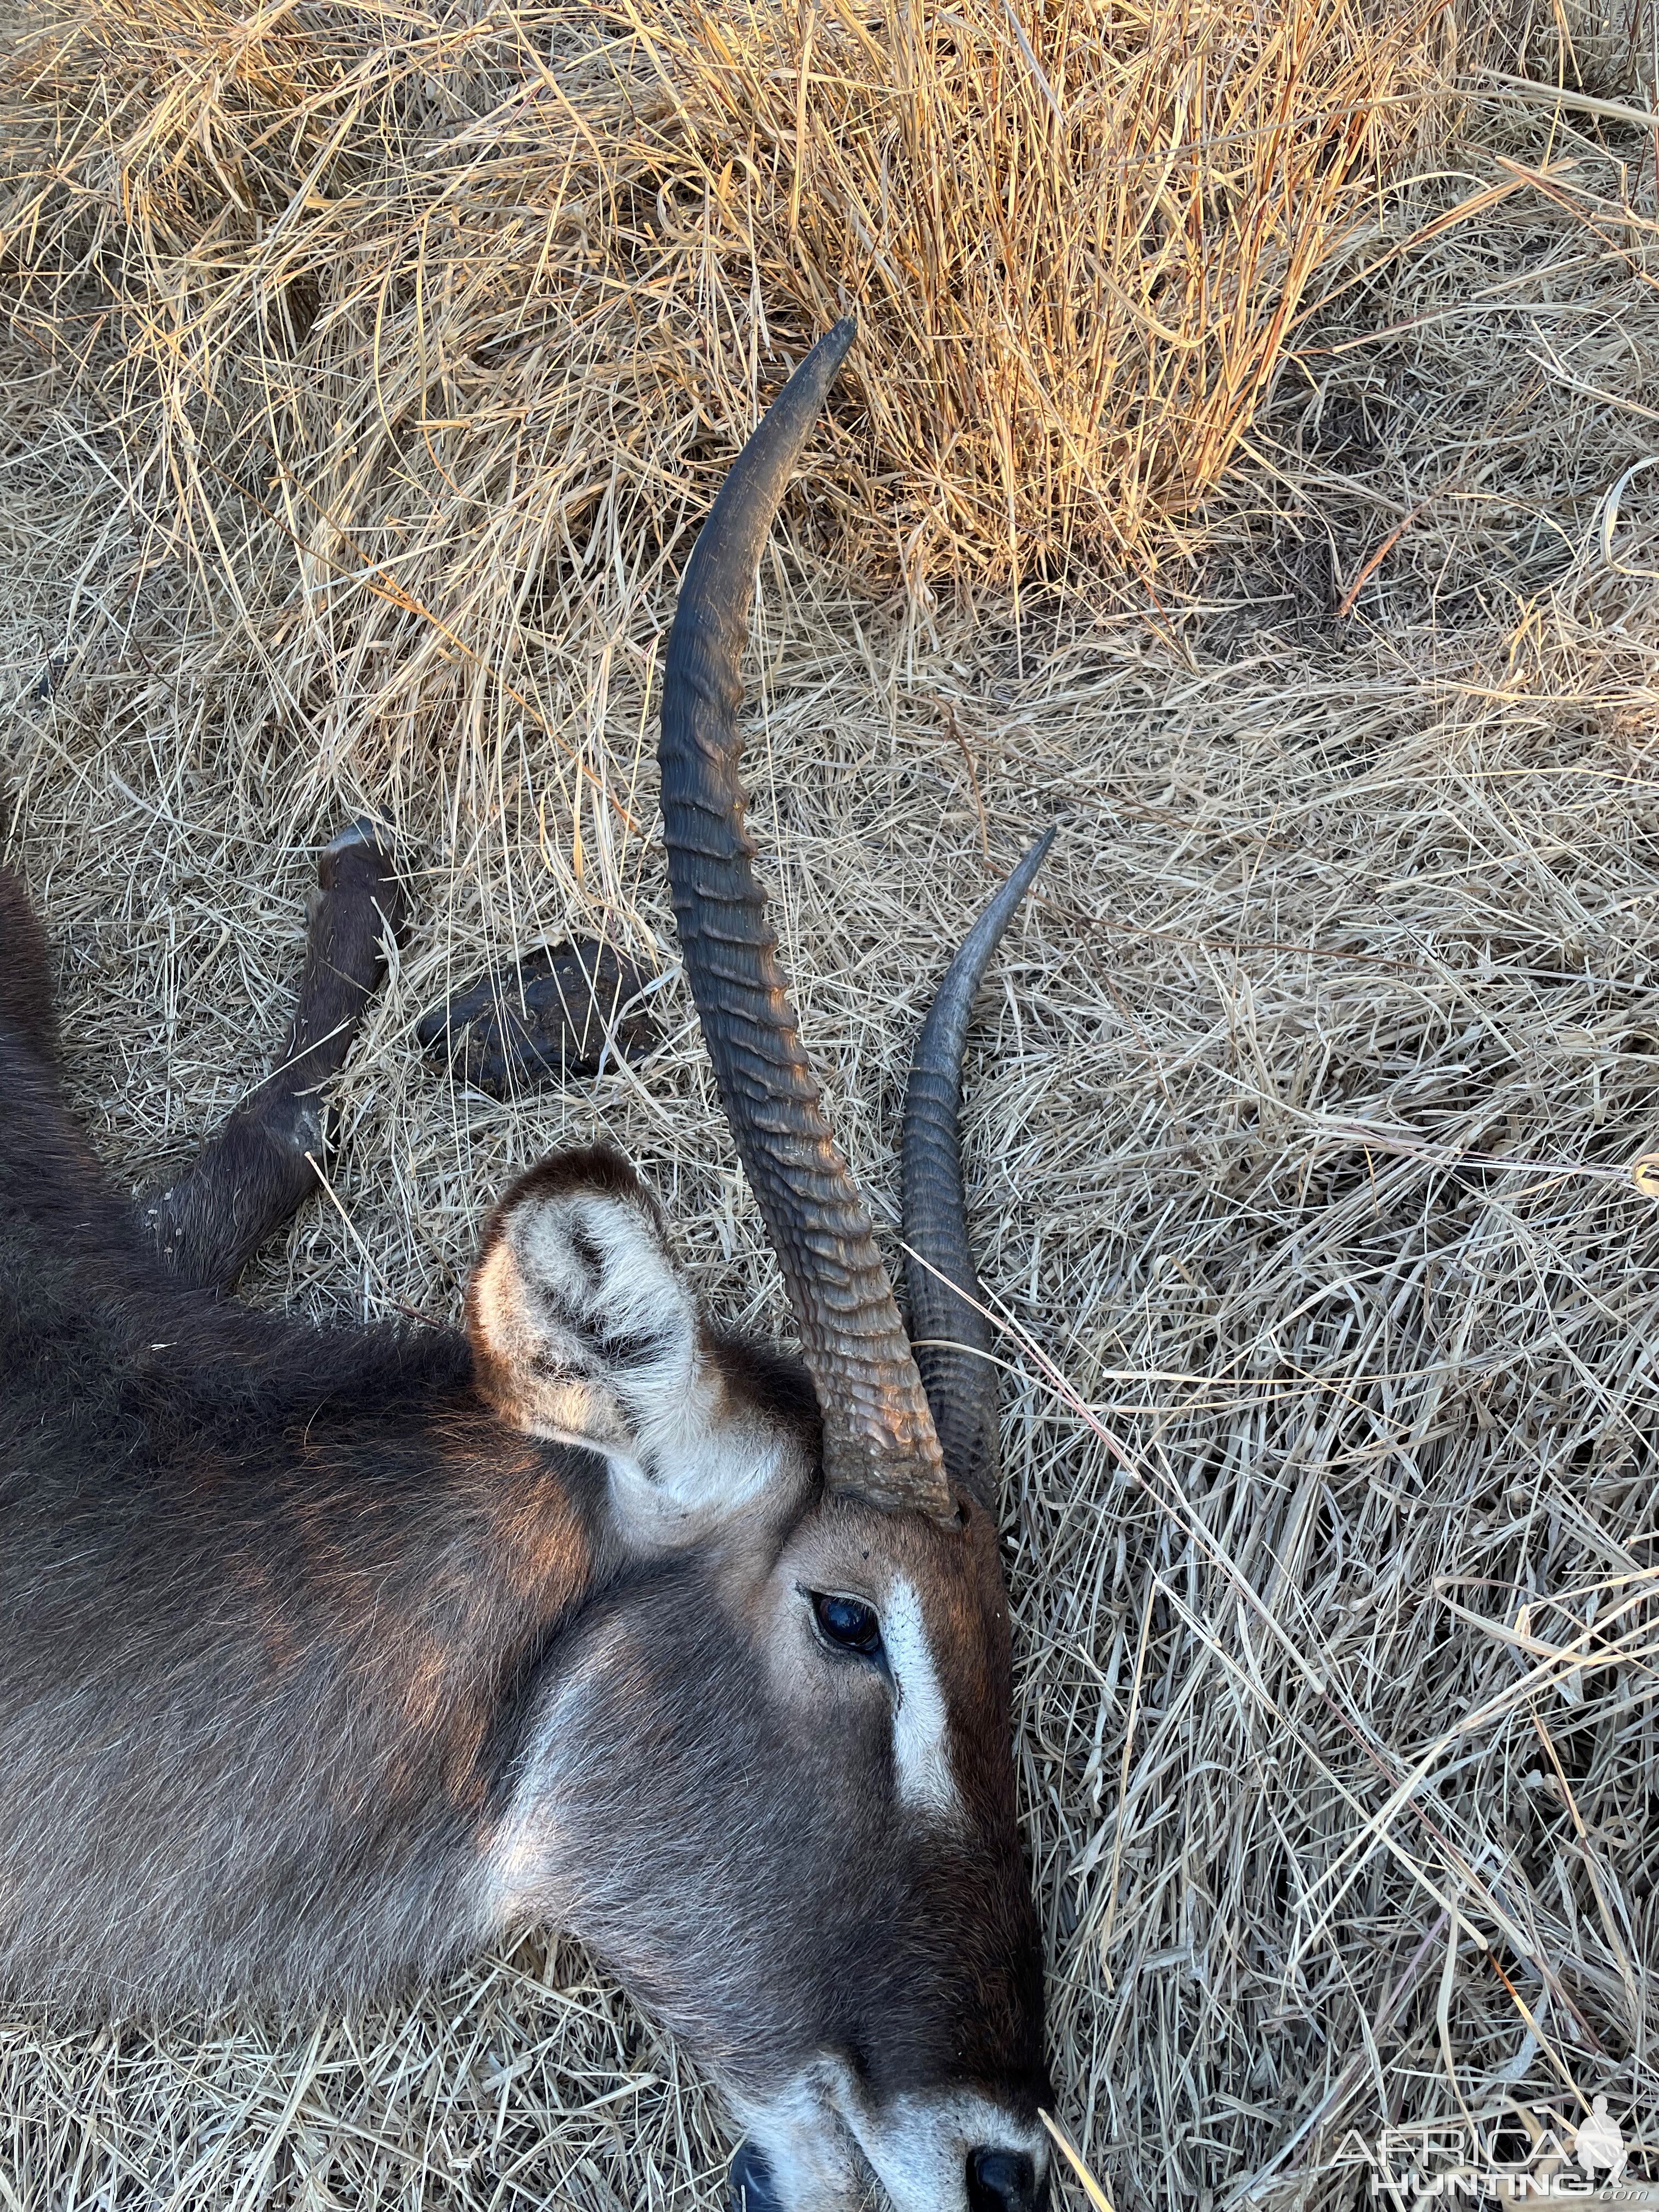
{"points": [[922, 1726], [595, 1337]]}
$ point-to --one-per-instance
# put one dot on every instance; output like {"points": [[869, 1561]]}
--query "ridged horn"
{"points": [[879, 1442], [950, 1334]]}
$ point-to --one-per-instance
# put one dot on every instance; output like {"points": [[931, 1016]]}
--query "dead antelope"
{"points": [[332, 1655]]}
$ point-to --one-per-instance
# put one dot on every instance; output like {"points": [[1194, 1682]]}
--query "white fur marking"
{"points": [[807, 2146], [919, 2145], [536, 1855], [922, 1727]]}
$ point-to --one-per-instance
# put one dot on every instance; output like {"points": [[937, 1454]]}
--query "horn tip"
{"points": [[1025, 869]]}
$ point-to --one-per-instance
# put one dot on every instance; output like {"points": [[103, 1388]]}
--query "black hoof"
{"points": [[358, 864], [365, 830], [549, 1020], [749, 2182]]}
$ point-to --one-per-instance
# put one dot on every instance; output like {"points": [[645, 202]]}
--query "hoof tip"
{"points": [[365, 830]]}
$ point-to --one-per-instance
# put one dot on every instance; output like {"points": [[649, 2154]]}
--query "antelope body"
{"points": [[330, 1655]]}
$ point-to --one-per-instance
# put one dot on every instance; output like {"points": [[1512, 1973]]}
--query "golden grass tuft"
{"points": [[544, 263]]}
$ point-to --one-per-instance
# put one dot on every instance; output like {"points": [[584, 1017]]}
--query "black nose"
{"points": [[1001, 2181], [750, 2182]]}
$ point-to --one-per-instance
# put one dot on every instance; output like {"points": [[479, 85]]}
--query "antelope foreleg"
{"points": [[249, 1178]]}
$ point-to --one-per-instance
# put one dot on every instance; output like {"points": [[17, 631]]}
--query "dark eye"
{"points": [[848, 1623]]}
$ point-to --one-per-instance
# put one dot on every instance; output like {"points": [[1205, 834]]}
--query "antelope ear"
{"points": [[585, 1331]]}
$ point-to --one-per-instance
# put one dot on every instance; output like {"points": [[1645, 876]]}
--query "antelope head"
{"points": [[771, 1780]]}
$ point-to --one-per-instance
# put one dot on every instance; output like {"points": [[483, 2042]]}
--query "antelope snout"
{"points": [[922, 2172], [1005, 2181], [998, 2181]]}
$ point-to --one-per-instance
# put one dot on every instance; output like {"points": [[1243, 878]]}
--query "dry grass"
{"points": [[391, 273], [1300, 1112]]}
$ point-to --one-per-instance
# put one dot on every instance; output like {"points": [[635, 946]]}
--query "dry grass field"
{"points": [[1247, 459]]}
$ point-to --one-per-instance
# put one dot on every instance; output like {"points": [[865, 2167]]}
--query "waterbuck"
{"points": [[332, 1654]]}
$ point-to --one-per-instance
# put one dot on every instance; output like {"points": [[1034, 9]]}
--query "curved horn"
{"points": [[879, 1438], [949, 1333]]}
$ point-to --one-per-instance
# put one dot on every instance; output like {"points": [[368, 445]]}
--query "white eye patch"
{"points": [[921, 1753]]}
